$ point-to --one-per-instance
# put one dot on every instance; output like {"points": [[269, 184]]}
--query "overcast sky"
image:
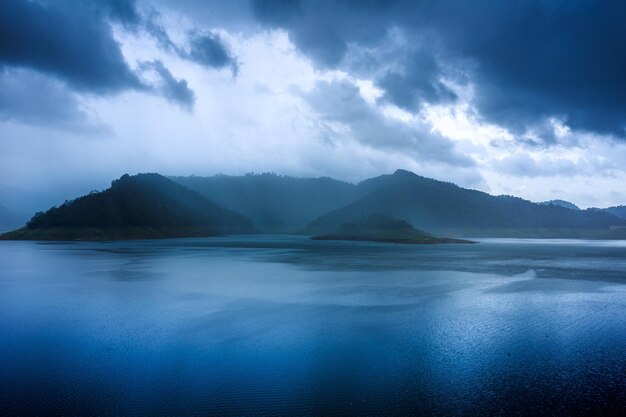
{"points": [[519, 97]]}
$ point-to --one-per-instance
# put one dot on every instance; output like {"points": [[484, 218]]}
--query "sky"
{"points": [[524, 97]]}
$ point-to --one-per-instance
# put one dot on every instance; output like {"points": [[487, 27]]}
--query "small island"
{"points": [[381, 228]]}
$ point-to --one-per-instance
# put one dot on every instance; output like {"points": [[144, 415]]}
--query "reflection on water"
{"points": [[284, 325]]}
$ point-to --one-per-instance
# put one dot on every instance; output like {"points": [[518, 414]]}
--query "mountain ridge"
{"points": [[561, 203], [445, 208], [150, 205]]}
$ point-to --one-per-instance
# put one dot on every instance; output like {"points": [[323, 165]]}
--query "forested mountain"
{"points": [[445, 208], [275, 203], [619, 211], [153, 206], [561, 203], [141, 206]]}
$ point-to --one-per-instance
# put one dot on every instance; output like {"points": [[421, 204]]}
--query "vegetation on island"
{"points": [[381, 228]]}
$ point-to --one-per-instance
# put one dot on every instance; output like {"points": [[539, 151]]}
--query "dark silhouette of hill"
{"points": [[277, 204], [139, 206], [381, 228], [445, 208], [619, 211], [152, 206], [561, 203]]}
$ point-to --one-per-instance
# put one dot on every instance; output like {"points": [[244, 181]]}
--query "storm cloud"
{"points": [[204, 48], [173, 89], [74, 43], [515, 97], [36, 99], [528, 60], [209, 49]]}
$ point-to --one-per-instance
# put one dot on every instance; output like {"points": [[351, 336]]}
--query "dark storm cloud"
{"points": [[205, 48], [175, 90], [208, 49], [529, 59], [418, 81], [124, 11], [74, 43], [324, 29], [33, 98]]}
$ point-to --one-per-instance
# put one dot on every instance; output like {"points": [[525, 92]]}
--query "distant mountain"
{"points": [[140, 206], [446, 209], [277, 204], [561, 203], [381, 228], [619, 211], [9, 219], [153, 206], [25, 202]]}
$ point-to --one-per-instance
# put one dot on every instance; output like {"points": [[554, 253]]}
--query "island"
{"points": [[381, 228]]}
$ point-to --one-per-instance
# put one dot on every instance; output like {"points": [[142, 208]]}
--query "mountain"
{"points": [[139, 206], [561, 203], [446, 209], [277, 204], [381, 228], [619, 211]]}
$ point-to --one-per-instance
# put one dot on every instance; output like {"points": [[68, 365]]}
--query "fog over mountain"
{"points": [[448, 209], [153, 206], [275, 203], [9, 219], [532, 104]]}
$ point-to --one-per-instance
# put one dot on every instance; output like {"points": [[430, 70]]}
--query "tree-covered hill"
{"points": [[381, 228], [139, 206], [444, 208], [561, 203], [619, 211]]}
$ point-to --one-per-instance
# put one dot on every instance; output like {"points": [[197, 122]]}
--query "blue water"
{"points": [[281, 325]]}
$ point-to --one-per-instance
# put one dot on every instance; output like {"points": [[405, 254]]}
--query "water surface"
{"points": [[284, 325]]}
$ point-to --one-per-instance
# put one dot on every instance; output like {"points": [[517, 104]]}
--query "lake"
{"points": [[282, 325]]}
